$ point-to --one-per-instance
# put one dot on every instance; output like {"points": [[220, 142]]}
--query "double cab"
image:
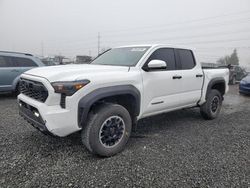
{"points": [[105, 99]]}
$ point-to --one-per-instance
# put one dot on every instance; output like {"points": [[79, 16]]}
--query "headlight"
{"points": [[69, 88]]}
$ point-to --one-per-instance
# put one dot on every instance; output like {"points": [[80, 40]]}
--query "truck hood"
{"points": [[74, 72]]}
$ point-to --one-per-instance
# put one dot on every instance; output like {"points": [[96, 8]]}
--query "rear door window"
{"points": [[23, 62], [164, 54], [5, 61], [186, 59]]}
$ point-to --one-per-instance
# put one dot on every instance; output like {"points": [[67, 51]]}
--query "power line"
{"points": [[216, 41], [181, 28], [192, 36], [169, 38], [223, 48], [182, 22], [115, 33]]}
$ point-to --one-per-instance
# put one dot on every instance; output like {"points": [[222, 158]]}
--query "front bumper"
{"points": [[52, 117], [244, 89], [32, 115]]}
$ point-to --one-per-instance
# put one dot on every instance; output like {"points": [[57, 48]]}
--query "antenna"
{"points": [[98, 41]]}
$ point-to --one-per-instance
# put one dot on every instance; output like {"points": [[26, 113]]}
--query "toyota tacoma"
{"points": [[105, 99]]}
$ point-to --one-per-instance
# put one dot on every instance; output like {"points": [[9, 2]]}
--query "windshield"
{"points": [[127, 56]]}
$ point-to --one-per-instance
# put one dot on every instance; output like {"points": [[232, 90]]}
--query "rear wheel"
{"points": [[107, 130], [211, 108]]}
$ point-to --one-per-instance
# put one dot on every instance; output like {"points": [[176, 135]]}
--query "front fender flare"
{"points": [[87, 101]]}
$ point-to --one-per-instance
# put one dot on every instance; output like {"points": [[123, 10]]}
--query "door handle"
{"points": [[177, 77], [199, 75]]}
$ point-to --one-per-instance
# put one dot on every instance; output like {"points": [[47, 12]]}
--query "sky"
{"points": [[70, 27]]}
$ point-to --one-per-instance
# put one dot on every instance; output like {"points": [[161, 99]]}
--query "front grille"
{"points": [[33, 89]]}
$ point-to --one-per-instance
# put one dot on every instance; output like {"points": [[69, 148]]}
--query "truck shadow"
{"points": [[165, 121], [5, 96], [146, 129]]}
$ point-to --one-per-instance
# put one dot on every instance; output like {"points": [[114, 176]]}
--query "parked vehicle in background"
{"points": [[83, 59], [12, 65], [106, 98], [236, 73], [244, 86], [49, 61]]}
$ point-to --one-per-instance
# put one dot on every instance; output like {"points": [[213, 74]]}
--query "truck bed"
{"points": [[214, 66]]}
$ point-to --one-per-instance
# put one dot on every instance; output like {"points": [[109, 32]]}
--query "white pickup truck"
{"points": [[106, 98]]}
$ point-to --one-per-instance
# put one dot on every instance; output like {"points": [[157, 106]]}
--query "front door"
{"points": [[162, 88]]}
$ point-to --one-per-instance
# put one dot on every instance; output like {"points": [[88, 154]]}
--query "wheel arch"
{"points": [[218, 84], [128, 94], [15, 83]]}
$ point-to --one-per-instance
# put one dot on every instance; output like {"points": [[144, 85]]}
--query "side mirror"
{"points": [[156, 65]]}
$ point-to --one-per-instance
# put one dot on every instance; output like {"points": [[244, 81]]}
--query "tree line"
{"points": [[232, 59]]}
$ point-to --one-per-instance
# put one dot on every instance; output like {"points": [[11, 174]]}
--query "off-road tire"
{"points": [[91, 132], [207, 110]]}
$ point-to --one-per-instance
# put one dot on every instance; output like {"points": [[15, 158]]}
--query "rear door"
{"points": [[192, 76]]}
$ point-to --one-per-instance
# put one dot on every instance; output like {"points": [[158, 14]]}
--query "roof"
{"points": [[9, 52], [158, 45]]}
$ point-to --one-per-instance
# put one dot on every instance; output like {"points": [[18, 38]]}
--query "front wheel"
{"points": [[211, 108], [108, 130]]}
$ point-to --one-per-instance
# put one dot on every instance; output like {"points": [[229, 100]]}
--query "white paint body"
{"points": [[154, 87]]}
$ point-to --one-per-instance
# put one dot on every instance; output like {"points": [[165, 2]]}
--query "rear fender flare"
{"points": [[213, 82]]}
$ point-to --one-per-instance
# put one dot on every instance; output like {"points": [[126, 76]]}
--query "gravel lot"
{"points": [[178, 149]]}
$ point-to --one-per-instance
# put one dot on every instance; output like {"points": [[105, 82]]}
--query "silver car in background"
{"points": [[12, 65]]}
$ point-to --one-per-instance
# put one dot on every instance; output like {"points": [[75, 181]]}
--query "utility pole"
{"points": [[42, 48], [98, 41]]}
